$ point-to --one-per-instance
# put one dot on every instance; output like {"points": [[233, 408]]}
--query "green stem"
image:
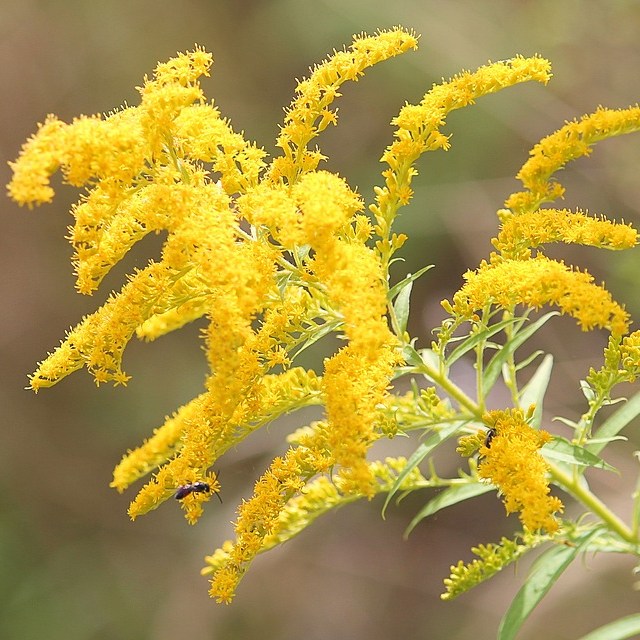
{"points": [[594, 504], [636, 510], [451, 389], [510, 379], [480, 372], [393, 318]]}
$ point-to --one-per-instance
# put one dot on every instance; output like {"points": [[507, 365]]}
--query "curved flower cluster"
{"points": [[309, 113], [570, 142], [279, 511], [535, 283], [491, 558], [521, 233], [516, 274], [419, 130]]}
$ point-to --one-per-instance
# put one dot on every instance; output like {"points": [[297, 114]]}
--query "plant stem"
{"points": [[451, 389], [594, 504]]}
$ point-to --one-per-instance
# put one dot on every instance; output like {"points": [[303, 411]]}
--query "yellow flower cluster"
{"points": [[258, 517], [630, 356], [535, 283], [521, 233], [309, 113], [621, 364], [517, 274], [276, 514], [272, 255], [570, 142], [491, 558], [419, 130], [511, 460]]}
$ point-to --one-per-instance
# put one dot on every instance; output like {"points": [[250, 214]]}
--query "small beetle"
{"points": [[188, 489]]}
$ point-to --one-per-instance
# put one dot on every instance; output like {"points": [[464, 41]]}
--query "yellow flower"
{"points": [[201, 134], [621, 364], [355, 388], [258, 517], [309, 113], [513, 463], [326, 204], [39, 158], [164, 444], [491, 558], [419, 125], [276, 256], [630, 356], [218, 420], [535, 283], [520, 233], [572, 141], [283, 506], [173, 88], [99, 340]]}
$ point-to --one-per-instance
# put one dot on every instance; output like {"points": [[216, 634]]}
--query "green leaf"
{"points": [[615, 423], [493, 369], [587, 391], [401, 307], [283, 279], [450, 496], [561, 450], [523, 364], [437, 438], [627, 627], [399, 286], [544, 573], [608, 440], [410, 355], [430, 358], [416, 360], [321, 331], [570, 423], [476, 338], [534, 391]]}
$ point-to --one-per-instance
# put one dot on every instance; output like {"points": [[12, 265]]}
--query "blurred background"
{"points": [[72, 565]]}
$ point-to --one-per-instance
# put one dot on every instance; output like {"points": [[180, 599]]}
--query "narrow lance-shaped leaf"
{"points": [[320, 332], [401, 308], [399, 286], [450, 496], [476, 339], [492, 370], [615, 423], [561, 450], [419, 455], [627, 627], [535, 390], [544, 573]]}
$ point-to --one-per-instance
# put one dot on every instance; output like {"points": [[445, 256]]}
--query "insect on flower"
{"points": [[194, 487], [200, 486], [491, 434]]}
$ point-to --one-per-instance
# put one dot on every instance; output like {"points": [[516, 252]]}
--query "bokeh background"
{"points": [[72, 566]]}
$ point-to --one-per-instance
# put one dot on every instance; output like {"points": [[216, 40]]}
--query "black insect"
{"points": [[491, 434], [195, 487]]}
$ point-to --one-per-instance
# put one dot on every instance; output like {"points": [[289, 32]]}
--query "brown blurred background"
{"points": [[72, 566]]}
